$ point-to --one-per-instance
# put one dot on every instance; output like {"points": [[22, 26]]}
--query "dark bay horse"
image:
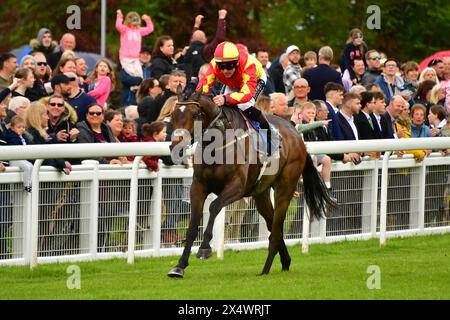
{"points": [[233, 180]]}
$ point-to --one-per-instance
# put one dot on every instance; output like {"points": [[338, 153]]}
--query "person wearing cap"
{"points": [[145, 56], [60, 85], [293, 70], [78, 99], [244, 79]]}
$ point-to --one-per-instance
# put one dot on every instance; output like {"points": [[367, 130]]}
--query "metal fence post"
{"points": [[369, 200], [26, 245], [156, 209], [383, 204], [421, 196], [93, 208], [134, 186], [374, 200], [306, 222], [34, 213]]}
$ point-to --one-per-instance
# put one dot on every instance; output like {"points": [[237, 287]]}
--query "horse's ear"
{"points": [[180, 93], [197, 94]]}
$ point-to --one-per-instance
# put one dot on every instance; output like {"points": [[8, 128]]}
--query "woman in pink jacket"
{"points": [[131, 40], [101, 82]]}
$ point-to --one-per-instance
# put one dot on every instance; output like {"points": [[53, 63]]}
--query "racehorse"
{"points": [[233, 180]]}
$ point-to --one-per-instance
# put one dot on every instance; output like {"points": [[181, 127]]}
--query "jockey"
{"points": [[244, 79]]}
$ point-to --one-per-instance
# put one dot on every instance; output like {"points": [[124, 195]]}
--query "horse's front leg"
{"points": [[231, 193], [198, 196]]}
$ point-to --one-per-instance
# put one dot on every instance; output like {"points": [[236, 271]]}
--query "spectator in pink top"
{"points": [[131, 34], [101, 82]]}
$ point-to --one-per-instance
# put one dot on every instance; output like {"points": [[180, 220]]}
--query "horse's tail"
{"points": [[316, 195]]}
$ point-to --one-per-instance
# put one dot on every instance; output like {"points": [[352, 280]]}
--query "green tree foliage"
{"points": [[27, 17], [174, 18], [410, 29]]}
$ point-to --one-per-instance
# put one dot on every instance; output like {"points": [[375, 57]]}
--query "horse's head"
{"points": [[196, 110]]}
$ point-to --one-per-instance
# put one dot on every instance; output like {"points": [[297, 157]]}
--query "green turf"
{"points": [[411, 268]]}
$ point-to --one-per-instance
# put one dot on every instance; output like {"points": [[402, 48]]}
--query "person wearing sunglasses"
{"points": [[41, 76], [94, 130], [373, 70], [243, 78], [62, 120], [36, 119]]}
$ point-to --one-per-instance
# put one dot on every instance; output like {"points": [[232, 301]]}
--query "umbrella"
{"points": [[437, 55]]}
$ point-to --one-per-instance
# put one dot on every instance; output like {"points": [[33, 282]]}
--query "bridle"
{"points": [[217, 117], [196, 115]]}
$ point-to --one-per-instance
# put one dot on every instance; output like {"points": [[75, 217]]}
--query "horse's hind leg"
{"points": [[284, 191], [265, 208]]}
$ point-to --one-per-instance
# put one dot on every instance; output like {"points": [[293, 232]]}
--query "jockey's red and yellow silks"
{"points": [[244, 79], [226, 51]]}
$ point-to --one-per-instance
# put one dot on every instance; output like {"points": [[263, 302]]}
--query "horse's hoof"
{"points": [[203, 254], [285, 268], [176, 272]]}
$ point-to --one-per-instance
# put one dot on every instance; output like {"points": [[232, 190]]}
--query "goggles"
{"points": [[227, 65]]}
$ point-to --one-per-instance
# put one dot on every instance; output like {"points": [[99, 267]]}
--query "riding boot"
{"points": [[264, 124], [256, 115]]}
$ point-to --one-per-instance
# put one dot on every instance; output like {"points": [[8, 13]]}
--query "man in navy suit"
{"points": [[334, 93], [319, 76], [378, 109], [350, 209], [351, 106], [363, 120]]}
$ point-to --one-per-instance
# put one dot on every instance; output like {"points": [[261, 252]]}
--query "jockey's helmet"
{"points": [[226, 51]]}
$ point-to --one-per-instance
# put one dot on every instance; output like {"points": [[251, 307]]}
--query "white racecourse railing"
{"points": [[105, 211]]}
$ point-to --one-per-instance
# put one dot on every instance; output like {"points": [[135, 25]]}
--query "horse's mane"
{"points": [[230, 111]]}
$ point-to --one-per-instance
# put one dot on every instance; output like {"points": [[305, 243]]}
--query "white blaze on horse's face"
{"points": [[182, 108]]}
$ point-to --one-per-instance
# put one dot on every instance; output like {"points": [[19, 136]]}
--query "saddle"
{"points": [[253, 129]]}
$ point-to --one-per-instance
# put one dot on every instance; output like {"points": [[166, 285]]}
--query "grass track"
{"points": [[411, 268]]}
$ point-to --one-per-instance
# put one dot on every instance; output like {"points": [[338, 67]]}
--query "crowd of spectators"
{"points": [[49, 94]]}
